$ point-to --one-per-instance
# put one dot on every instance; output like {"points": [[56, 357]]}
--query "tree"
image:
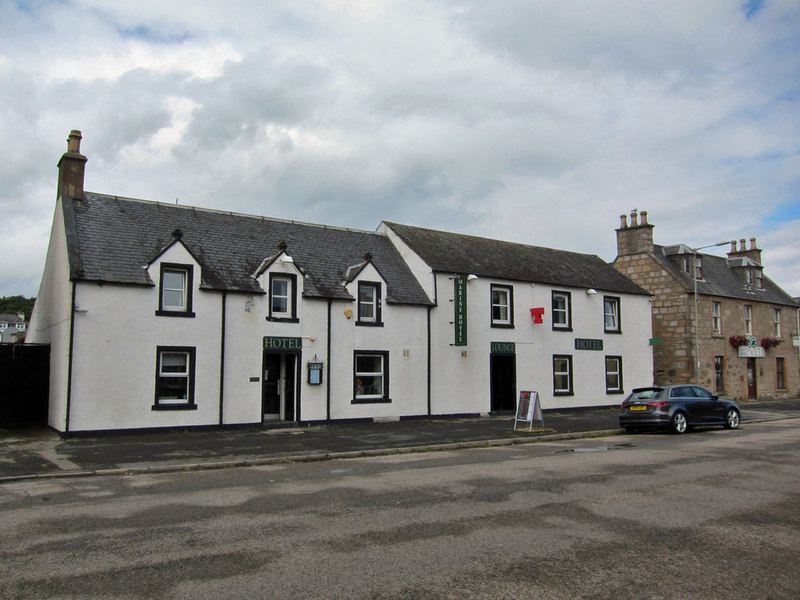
{"points": [[15, 305]]}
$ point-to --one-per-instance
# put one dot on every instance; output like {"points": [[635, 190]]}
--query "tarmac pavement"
{"points": [[42, 453]]}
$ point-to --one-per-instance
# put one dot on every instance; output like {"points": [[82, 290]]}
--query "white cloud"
{"points": [[533, 121]]}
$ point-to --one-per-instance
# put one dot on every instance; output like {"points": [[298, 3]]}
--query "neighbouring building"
{"points": [[720, 322], [12, 328], [162, 316]]}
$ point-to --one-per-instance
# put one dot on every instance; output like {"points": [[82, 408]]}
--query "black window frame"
{"points": [[292, 314], [570, 376], [618, 302], [158, 402], [621, 388], [500, 324], [385, 398], [188, 273], [568, 297], [378, 305]]}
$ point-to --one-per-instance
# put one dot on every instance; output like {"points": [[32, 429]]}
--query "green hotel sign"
{"points": [[460, 309], [282, 343], [588, 344]]}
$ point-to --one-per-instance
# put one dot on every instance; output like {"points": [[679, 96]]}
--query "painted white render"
{"points": [[51, 318]]}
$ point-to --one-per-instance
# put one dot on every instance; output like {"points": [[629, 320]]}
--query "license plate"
{"points": [[638, 408]]}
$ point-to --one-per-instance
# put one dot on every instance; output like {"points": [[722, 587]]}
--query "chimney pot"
{"points": [[733, 246], [742, 245], [634, 218], [644, 217], [74, 142], [623, 221], [753, 243]]}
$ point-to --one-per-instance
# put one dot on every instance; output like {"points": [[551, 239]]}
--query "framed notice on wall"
{"points": [[528, 409]]}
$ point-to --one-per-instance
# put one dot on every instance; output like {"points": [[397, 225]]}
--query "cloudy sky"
{"points": [[538, 121]]}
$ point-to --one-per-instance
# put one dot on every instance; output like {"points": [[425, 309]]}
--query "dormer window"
{"points": [[175, 287], [758, 279], [369, 303], [282, 297]]}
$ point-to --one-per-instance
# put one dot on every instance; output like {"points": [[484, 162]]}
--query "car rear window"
{"points": [[646, 394]]}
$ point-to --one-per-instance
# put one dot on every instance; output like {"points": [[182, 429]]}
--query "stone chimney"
{"points": [[636, 238], [753, 252], [71, 168]]}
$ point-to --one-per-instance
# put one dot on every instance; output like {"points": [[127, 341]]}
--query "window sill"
{"points": [[191, 406], [563, 393], [611, 392], [503, 325], [371, 401], [283, 319], [562, 329], [613, 331], [175, 313], [369, 324]]}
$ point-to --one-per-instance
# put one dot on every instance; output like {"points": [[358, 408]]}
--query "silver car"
{"points": [[677, 407]]}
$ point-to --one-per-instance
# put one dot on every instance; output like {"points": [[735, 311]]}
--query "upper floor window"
{"points": [[776, 321], [369, 303], [716, 317], [502, 306], [748, 319], [562, 310], [282, 297], [611, 314], [175, 290], [758, 279], [698, 266], [3, 325], [20, 326]]}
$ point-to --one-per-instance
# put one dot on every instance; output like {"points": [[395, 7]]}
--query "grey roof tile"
{"points": [[111, 238], [719, 278], [484, 257]]}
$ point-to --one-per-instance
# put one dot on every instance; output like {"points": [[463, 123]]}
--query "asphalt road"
{"points": [[710, 514]]}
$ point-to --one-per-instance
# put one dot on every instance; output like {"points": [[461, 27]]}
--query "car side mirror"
{"points": [[714, 397]]}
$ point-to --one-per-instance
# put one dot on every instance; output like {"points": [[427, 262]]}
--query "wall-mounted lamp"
{"points": [[591, 291], [81, 310], [471, 277]]}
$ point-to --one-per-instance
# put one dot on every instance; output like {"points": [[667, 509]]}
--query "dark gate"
{"points": [[24, 384]]}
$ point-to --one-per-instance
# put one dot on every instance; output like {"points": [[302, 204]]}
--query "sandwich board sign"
{"points": [[528, 409]]}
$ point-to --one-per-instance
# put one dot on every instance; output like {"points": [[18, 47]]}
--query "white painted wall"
{"points": [[460, 375], [50, 320]]}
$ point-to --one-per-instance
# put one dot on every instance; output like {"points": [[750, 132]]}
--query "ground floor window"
{"points": [[719, 373], [614, 375], [175, 369], [371, 376], [562, 375], [780, 374]]}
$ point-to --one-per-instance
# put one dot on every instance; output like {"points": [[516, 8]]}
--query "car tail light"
{"points": [[658, 404]]}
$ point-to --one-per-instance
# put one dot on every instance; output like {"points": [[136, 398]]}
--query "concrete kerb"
{"points": [[303, 458]]}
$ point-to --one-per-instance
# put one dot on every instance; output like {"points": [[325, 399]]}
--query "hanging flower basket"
{"points": [[769, 342], [737, 340]]}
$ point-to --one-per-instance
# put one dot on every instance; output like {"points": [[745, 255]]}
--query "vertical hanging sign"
{"points": [[460, 309]]}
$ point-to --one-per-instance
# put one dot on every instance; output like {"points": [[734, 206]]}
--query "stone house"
{"points": [[719, 322]]}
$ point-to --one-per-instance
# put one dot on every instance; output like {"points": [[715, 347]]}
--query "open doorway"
{"points": [[279, 386], [503, 375]]}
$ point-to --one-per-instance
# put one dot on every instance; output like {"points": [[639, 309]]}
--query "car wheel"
{"points": [[678, 423], [732, 419]]}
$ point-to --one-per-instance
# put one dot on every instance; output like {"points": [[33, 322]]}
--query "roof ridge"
{"points": [[231, 213]]}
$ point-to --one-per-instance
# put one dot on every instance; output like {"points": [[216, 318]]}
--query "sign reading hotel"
{"points": [[282, 343], [460, 309], [587, 344]]}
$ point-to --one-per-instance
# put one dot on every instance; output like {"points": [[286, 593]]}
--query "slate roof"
{"points": [[465, 254], [110, 239], [720, 279]]}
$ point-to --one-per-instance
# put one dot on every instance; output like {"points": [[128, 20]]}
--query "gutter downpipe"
{"points": [[222, 359], [430, 308], [69, 358], [328, 380]]}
